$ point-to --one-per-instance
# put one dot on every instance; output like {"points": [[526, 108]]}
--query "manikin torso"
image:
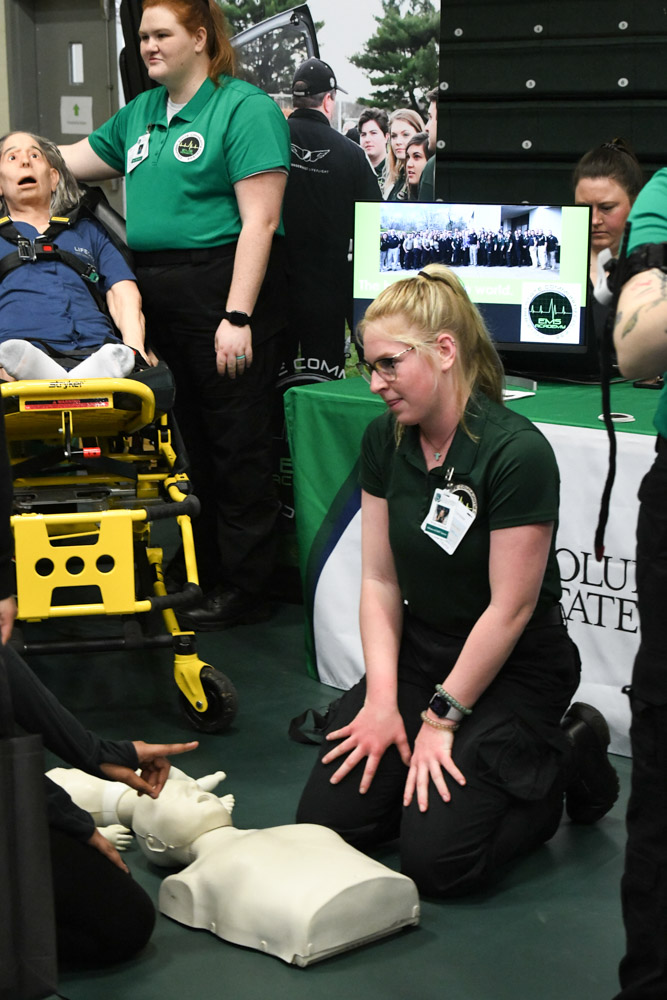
{"points": [[297, 891]]}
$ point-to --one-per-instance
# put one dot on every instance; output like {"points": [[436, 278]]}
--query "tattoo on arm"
{"points": [[656, 287], [630, 325]]}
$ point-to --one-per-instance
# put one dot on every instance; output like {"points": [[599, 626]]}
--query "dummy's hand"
{"points": [[108, 850], [233, 349], [7, 616], [432, 754], [118, 835], [153, 763], [368, 735]]}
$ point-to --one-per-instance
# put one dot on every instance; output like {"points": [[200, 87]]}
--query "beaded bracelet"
{"points": [[452, 701], [438, 725]]}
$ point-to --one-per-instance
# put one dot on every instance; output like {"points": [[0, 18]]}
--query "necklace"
{"points": [[437, 452]]}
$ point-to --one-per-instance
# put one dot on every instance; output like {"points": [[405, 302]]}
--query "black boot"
{"points": [[593, 786]]}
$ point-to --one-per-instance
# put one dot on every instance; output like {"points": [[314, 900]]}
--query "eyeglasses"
{"points": [[385, 367]]}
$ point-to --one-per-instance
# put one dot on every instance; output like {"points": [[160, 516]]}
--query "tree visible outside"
{"points": [[242, 14], [271, 61], [401, 58]]}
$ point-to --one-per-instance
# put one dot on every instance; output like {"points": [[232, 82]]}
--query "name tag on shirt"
{"points": [[138, 153], [448, 520]]}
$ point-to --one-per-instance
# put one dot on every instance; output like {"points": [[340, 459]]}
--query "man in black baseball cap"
{"points": [[328, 174], [314, 77]]}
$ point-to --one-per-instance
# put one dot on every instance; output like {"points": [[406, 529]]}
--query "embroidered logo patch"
{"points": [[466, 495], [189, 147], [309, 155]]}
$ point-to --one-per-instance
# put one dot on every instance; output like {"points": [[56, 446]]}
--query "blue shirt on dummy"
{"points": [[48, 301]]}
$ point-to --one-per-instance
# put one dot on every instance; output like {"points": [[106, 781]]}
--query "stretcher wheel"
{"points": [[222, 703]]}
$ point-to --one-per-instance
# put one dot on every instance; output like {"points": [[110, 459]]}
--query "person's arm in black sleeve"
{"points": [[36, 710], [64, 814]]}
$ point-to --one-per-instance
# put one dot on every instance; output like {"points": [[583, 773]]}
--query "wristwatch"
{"points": [[441, 707], [236, 318]]}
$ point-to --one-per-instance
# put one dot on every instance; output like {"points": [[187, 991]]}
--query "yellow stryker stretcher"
{"points": [[94, 465]]}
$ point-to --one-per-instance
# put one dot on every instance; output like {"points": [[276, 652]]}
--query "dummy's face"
{"points": [[415, 161], [182, 813], [373, 141], [610, 207], [170, 53], [400, 134], [26, 178]]}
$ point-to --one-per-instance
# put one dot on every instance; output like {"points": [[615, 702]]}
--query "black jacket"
{"points": [[328, 174]]}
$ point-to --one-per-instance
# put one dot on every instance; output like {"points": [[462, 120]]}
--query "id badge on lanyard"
{"points": [[138, 153], [450, 515]]}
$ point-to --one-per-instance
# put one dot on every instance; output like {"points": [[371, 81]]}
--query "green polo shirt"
{"points": [[182, 194], [512, 470], [649, 225]]}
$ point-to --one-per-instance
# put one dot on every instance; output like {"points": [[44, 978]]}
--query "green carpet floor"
{"points": [[551, 931]]}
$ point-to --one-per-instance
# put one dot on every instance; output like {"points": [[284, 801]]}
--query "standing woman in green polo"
{"points": [[205, 158]]}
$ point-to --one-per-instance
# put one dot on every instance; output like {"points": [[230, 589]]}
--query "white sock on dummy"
{"points": [[111, 361], [21, 359]]}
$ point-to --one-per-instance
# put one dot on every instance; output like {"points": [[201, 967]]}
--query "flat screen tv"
{"points": [[526, 267]]}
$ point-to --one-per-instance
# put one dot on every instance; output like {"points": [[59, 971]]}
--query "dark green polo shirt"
{"points": [[182, 194], [512, 471]]}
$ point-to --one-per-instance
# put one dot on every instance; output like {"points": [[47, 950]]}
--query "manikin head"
{"points": [[167, 827], [33, 175]]}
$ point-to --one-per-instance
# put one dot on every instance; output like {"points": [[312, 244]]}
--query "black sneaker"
{"points": [[594, 785]]}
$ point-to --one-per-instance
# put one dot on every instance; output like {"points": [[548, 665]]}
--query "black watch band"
{"points": [[441, 707], [236, 318]]}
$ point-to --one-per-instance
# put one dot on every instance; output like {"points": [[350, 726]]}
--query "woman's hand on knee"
{"points": [[431, 756], [102, 845], [368, 735]]}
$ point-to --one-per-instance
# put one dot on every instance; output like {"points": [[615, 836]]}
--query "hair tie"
{"points": [[615, 144]]}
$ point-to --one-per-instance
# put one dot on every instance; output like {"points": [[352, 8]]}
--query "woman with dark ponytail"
{"points": [[608, 178]]}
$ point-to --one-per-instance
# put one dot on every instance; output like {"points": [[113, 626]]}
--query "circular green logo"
{"points": [[189, 147], [550, 312]]}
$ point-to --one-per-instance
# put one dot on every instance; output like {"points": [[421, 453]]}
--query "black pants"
{"points": [[320, 302], [102, 915], [511, 751], [643, 970], [226, 424]]}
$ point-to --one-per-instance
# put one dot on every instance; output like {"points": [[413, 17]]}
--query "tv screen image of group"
{"points": [[525, 266]]}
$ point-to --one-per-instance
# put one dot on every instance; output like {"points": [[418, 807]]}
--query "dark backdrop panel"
{"points": [[516, 20], [526, 88]]}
